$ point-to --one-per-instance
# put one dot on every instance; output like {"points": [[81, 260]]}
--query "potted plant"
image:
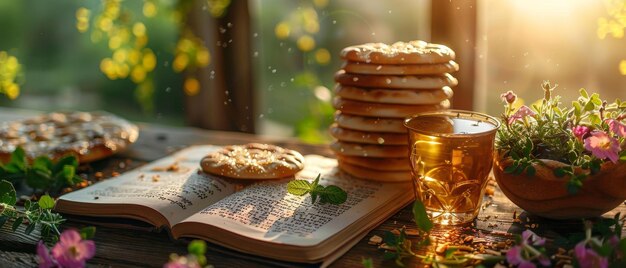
{"points": [[559, 162]]}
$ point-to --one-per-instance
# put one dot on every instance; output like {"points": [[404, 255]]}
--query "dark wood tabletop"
{"points": [[122, 243]]}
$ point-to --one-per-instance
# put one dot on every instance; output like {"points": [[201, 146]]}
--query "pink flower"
{"points": [[580, 132], [617, 127], [530, 238], [71, 251], [587, 258], [521, 113], [602, 146], [514, 257], [43, 257], [508, 97]]}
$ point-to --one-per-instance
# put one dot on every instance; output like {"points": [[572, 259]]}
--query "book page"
{"points": [[265, 211], [171, 185]]}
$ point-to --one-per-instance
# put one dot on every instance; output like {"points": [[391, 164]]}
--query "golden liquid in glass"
{"points": [[451, 157]]}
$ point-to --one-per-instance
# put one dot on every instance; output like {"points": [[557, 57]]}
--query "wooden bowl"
{"points": [[546, 195]]}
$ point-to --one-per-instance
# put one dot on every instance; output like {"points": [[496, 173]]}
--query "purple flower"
{"points": [[508, 97], [580, 132], [43, 257], [617, 127], [587, 258], [602, 146], [71, 251], [521, 113], [530, 238], [514, 257]]}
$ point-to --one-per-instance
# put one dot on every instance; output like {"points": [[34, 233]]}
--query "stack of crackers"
{"points": [[378, 87]]}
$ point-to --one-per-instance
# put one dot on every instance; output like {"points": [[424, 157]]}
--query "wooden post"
{"points": [[453, 23], [226, 97]]}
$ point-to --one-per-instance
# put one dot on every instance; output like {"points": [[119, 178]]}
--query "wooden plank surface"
{"points": [[142, 246]]}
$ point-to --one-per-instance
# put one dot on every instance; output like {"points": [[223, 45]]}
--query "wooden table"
{"points": [[141, 246]]}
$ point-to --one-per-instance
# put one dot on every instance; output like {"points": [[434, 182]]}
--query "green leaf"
{"points": [[595, 119], [577, 108], [42, 163], [18, 159], [69, 172], [88, 232], [30, 228], [589, 106], [46, 202], [530, 171], [510, 169], [316, 182], [27, 204], [574, 185], [583, 93], [390, 239], [38, 179], [197, 248], [298, 187], [559, 172], [7, 193], [334, 195], [528, 147], [421, 217], [69, 160], [16, 224]]}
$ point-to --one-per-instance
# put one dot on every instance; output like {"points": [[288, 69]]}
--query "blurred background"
{"points": [[268, 66]]}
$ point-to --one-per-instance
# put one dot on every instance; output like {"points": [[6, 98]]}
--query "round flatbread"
{"points": [[355, 67], [88, 136], [395, 81], [381, 138], [369, 150], [374, 175], [383, 164], [412, 52], [373, 109], [399, 96], [253, 161], [372, 124]]}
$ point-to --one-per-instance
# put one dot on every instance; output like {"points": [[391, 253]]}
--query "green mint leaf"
{"points": [[7, 193], [334, 195], [42, 163], [88, 232], [298, 187], [16, 224], [197, 248], [38, 179], [18, 159], [314, 196], [69, 160], [46, 202], [316, 182], [367, 263], [68, 173], [421, 217]]}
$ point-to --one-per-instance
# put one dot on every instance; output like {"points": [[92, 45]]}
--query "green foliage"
{"points": [[547, 133], [421, 217], [197, 248], [88, 232], [330, 194], [43, 173], [367, 263], [34, 214]]}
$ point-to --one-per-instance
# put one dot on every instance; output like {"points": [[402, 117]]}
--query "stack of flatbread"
{"points": [[378, 87]]}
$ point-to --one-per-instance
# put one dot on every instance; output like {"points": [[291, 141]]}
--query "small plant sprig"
{"points": [[34, 213], [43, 173], [327, 194], [584, 136]]}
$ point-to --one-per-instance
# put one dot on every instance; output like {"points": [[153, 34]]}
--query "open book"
{"points": [[258, 218]]}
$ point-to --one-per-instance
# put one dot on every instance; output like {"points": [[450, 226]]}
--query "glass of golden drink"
{"points": [[451, 154]]}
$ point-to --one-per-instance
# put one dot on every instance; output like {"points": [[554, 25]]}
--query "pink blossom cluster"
{"points": [[70, 252]]}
